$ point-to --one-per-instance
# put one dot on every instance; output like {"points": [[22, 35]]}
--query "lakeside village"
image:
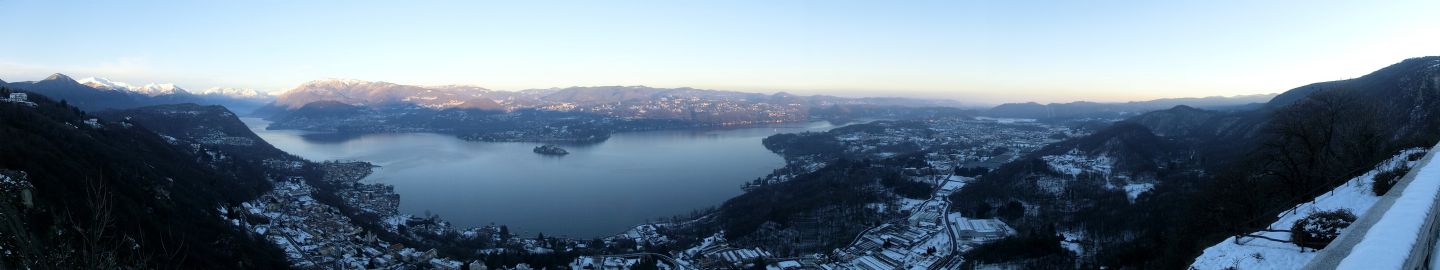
{"points": [[316, 234], [933, 235]]}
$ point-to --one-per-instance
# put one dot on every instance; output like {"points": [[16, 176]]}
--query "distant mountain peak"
{"points": [[463, 87], [341, 82], [58, 77], [232, 92], [151, 89], [351, 91], [1184, 108], [105, 84], [157, 89]]}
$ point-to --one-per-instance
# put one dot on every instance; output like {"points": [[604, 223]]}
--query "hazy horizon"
{"points": [[975, 53], [962, 103]]}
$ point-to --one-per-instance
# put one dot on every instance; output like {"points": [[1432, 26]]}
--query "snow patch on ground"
{"points": [[1134, 190], [1255, 253], [1072, 242], [1388, 242]]}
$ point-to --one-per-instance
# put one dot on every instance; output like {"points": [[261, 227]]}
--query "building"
{"points": [[871, 263], [21, 98], [982, 229], [738, 257], [478, 265], [790, 265]]}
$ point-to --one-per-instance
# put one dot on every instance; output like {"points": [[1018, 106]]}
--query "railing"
{"points": [[1405, 252]]}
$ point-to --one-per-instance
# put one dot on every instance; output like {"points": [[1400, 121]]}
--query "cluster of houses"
{"points": [[931, 234], [721, 111], [316, 235], [907, 246], [379, 199], [989, 144], [739, 257], [603, 263], [925, 239], [715, 253], [951, 142]]}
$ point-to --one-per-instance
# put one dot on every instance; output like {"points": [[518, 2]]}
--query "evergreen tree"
{"points": [[504, 232]]}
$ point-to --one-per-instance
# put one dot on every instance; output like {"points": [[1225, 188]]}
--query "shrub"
{"points": [[1416, 156], [1318, 229], [1387, 179]]}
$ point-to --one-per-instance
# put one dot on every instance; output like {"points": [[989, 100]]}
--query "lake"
{"points": [[597, 190]]}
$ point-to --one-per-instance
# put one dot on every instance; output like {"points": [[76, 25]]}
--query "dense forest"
{"points": [[114, 196]]}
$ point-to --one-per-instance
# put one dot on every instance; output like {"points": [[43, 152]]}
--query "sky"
{"points": [[977, 52]]}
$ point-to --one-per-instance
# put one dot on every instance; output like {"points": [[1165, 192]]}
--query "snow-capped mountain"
{"points": [[151, 89], [358, 92], [97, 93], [61, 87], [154, 89], [241, 93], [106, 84]]}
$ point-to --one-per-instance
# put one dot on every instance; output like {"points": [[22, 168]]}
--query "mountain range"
{"points": [[369, 106], [596, 98], [617, 101], [100, 93], [1086, 109]]}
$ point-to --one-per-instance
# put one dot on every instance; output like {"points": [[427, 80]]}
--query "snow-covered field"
{"points": [[1255, 253]]}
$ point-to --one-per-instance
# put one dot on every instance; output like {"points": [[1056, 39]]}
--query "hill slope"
{"points": [[117, 184], [1220, 173]]}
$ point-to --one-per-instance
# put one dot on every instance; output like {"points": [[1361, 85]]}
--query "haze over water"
{"points": [[597, 190]]}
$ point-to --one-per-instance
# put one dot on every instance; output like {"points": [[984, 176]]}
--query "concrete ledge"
{"points": [[1418, 253]]}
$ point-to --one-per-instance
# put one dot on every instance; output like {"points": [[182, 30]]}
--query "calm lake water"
{"points": [[597, 190]]}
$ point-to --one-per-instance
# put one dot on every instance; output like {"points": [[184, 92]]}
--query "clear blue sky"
{"points": [[979, 52]]}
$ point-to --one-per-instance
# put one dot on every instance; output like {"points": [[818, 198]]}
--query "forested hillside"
{"points": [[116, 195]]}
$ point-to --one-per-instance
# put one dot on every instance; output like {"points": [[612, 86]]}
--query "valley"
{"points": [[719, 135]]}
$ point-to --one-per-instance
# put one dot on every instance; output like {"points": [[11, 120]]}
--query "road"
{"points": [[950, 261]]}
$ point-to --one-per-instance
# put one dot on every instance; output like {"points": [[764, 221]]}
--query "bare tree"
{"points": [[92, 251], [1315, 138]]}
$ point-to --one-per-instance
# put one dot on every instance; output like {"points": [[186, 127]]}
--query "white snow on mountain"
{"points": [[233, 92], [105, 84], [152, 89]]}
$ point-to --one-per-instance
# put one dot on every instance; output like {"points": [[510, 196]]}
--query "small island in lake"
{"points": [[551, 149]]}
